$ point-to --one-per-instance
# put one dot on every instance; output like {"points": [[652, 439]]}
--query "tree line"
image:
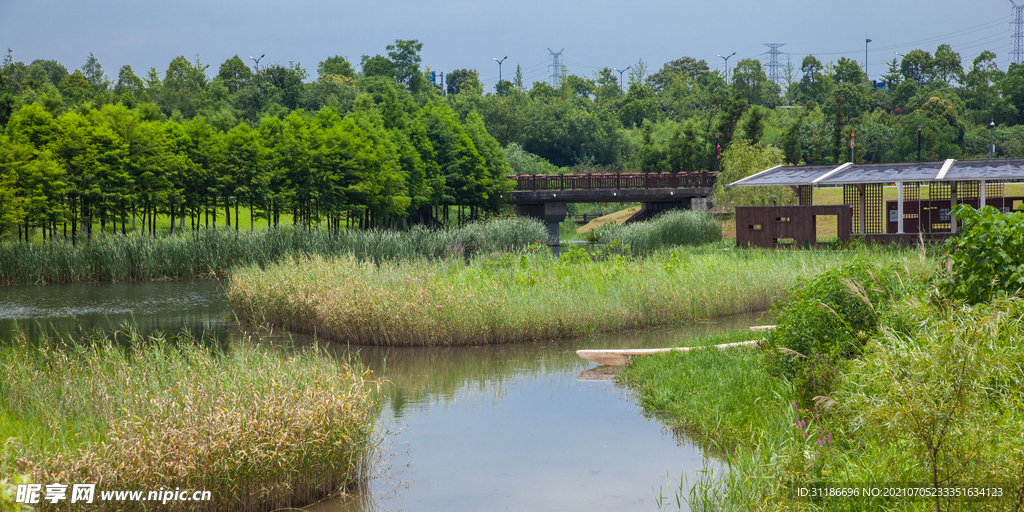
{"points": [[382, 145]]}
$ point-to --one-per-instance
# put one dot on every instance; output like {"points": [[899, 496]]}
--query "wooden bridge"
{"points": [[544, 196]]}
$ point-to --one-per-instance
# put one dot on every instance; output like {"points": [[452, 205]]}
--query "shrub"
{"points": [[688, 227], [826, 321], [987, 259]]}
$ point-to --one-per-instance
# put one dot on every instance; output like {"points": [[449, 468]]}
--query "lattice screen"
{"points": [[804, 195], [852, 197]]}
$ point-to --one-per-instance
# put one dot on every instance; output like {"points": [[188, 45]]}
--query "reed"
{"points": [[673, 228], [212, 252], [514, 297], [259, 429]]}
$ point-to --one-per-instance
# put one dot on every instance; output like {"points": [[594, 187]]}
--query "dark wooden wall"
{"points": [[765, 226]]}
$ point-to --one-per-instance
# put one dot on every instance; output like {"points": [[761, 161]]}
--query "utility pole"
{"points": [[1017, 55], [442, 84], [726, 58], [621, 71], [773, 62], [556, 66]]}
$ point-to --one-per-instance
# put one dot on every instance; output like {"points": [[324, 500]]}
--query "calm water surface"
{"points": [[509, 427]]}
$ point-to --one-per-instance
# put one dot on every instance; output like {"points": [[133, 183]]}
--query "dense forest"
{"points": [[383, 146]]}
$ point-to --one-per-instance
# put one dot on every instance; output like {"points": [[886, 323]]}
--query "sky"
{"points": [[459, 34]]}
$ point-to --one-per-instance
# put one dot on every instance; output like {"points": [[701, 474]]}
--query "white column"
{"points": [[899, 207], [981, 191]]}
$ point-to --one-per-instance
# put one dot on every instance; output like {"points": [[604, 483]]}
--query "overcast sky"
{"points": [[467, 34]]}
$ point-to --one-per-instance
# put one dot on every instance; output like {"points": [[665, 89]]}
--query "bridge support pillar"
{"points": [[551, 213]]}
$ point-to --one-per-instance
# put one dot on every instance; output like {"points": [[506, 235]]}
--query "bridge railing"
{"points": [[532, 182]]}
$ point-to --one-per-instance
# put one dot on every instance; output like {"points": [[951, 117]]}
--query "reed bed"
{"points": [[673, 228], [257, 428], [515, 297], [212, 252]]}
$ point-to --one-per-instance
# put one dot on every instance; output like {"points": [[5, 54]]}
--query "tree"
{"points": [[76, 89], [129, 85], [405, 59], [184, 87], [814, 84], [463, 79], [377, 65], [946, 66], [751, 84], [917, 66], [235, 74], [741, 160], [335, 66], [848, 71], [51, 70], [689, 67], [93, 72]]}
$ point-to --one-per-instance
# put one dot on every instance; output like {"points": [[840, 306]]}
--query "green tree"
{"points": [[129, 89], [750, 83], [235, 74], [917, 66], [335, 66], [405, 59], [377, 65], [93, 72], [689, 67], [184, 87], [741, 160], [463, 79], [946, 66]]}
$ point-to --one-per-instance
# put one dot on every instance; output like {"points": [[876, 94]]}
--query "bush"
{"points": [[826, 321], [987, 259]]}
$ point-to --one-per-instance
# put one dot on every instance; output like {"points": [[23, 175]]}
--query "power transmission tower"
{"points": [[773, 62], [1018, 33], [556, 66]]}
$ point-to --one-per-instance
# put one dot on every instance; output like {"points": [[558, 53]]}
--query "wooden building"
{"points": [[925, 194]]}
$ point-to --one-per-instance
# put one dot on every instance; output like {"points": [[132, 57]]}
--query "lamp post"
{"points": [[726, 59], [495, 59], [992, 139], [718, 149], [866, 41], [919, 142], [621, 71], [257, 61]]}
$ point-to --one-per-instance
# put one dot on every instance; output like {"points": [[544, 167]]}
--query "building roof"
{"points": [[999, 169]]}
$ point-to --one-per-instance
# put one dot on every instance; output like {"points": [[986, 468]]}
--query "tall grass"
{"points": [[934, 400], [514, 297], [258, 429], [673, 228], [138, 257]]}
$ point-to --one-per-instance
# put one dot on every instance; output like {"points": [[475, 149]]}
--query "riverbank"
{"points": [[213, 252], [257, 428], [872, 380], [519, 297]]}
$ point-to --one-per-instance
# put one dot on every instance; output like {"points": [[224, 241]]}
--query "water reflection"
{"points": [[523, 427]]}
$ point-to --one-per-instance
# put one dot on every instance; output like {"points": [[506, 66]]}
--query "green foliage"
{"points": [[986, 256], [741, 160], [831, 316], [670, 229]]}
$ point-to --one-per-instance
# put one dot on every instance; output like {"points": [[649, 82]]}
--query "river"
{"points": [[507, 427]]}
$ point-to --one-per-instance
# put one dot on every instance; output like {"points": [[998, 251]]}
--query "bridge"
{"points": [[545, 197]]}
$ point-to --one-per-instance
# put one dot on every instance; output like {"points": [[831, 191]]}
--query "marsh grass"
{"points": [[508, 298], [934, 399], [258, 428], [212, 252], [672, 228]]}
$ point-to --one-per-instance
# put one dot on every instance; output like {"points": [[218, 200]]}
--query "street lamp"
{"points": [[866, 41], [495, 59], [621, 71], [257, 61], [726, 58], [992, 139]]}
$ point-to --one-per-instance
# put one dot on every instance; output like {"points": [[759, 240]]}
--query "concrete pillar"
{"points": [[899, 207], [552, 214], [700, 203], [981, 192]]}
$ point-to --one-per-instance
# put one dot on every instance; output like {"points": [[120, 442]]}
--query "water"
{"points": [[506, 427]]}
